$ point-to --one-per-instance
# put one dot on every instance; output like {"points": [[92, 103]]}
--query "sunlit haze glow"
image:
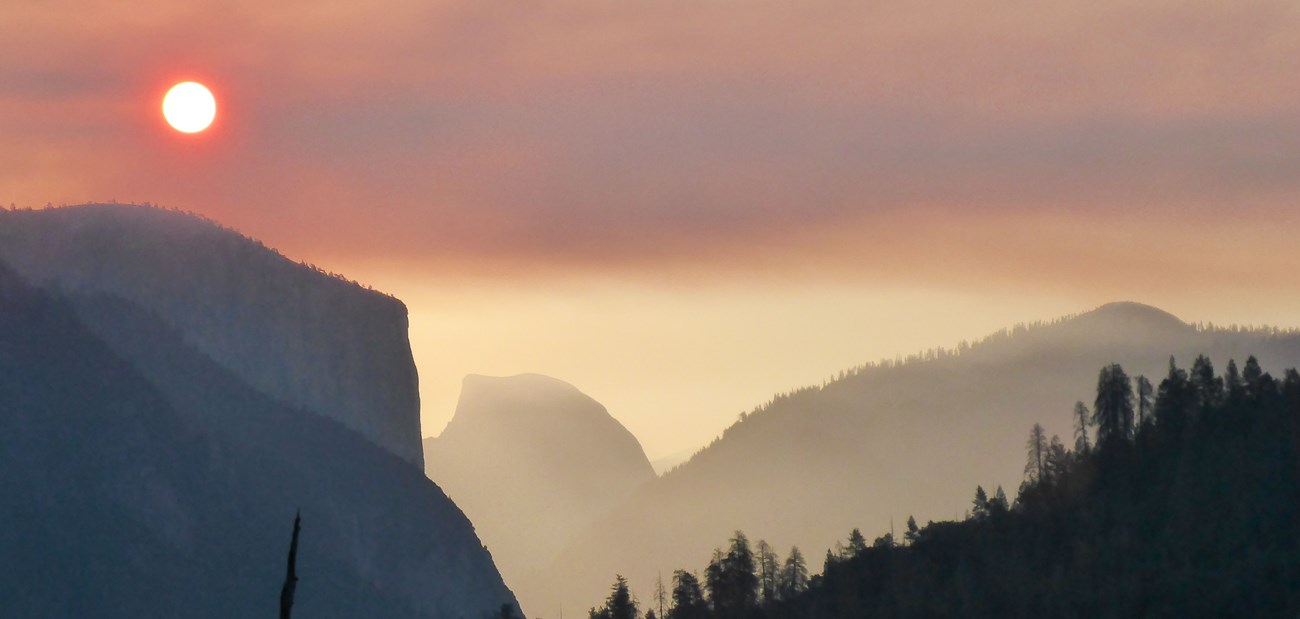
{"points": [[684, 207]]}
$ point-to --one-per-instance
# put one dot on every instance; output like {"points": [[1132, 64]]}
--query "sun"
{"points": [[189, 107]]}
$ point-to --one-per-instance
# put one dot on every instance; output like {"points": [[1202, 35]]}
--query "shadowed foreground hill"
{"points": [[301, 336], [880, 443], [532, 461], [138, 478]]}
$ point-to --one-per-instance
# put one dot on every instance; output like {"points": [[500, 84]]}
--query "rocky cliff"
{"points": [[301, 336], [532, 460]]}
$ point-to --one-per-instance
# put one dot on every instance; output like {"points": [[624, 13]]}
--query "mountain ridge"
{"points": [[303, 336], [943, 411]]}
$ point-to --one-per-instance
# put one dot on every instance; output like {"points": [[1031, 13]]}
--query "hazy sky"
{"points": [[683, 206]]}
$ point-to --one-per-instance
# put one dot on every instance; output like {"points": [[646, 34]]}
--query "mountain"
{"points": [[304, 337], [139, 477], [533, 460], [1195, 513], [882, 442]]}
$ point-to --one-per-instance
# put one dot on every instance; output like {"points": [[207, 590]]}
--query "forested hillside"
{"points": [[1178, 499], [812, 464]]}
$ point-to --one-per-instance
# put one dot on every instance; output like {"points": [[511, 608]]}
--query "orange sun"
{"points": [[189, 107]]}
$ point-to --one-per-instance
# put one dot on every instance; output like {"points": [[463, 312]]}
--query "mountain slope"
{"points": [[138, 478], [536, 447], [811, 465], [306, 338]]}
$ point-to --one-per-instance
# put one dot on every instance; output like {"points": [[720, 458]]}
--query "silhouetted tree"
{"points": [[291, 572], [1058, 459], [913, 531], [730, 579], [619, 604], [1145, 401], [981, 504], [769, 569], [794, 574], [1234, 386], [1113, 409], [1175, 400], [998, 504], [1036, 454], [688, 597], [1205, 384], [857, 544], [1253, 377], [1081, 422], [660, 595]]}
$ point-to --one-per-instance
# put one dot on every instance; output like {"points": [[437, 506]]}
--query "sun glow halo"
{"points": [[189, 107]]}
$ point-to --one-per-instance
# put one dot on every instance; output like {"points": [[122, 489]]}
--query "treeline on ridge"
{"points": [[1174, 500]]}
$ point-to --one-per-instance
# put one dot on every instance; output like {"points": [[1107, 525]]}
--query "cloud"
{"points": [[592, 134]]}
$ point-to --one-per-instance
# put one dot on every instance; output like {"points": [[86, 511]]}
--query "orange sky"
{"points": [[684, 206]]}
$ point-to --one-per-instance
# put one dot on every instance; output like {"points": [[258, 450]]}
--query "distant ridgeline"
{"points": [[879, 443], [1175, 501]]}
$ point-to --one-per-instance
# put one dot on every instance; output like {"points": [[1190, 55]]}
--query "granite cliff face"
{"points": [[139, 478], [298, 335], [532, 460]]}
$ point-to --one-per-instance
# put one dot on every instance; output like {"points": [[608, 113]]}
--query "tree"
{"points": [[1207, 386], [688, 598], [731, 580], [1113, 409], [619, 604], [998, 504], [981, 503], [1145, 401], [1036, 454], [1058, 460], [661, 596], [857, 544], [768, 572], [1253, 376], [1175, 400], [1081, 422], [794, 574], [1233, 384], [913, 532], [291, 572]]}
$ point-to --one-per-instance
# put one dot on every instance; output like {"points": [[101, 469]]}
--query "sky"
{"points": [[684, 207]]}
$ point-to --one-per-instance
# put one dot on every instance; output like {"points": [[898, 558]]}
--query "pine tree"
{"points": [[794, 574], [619, 605], [1036, 454], [1081, 422], [1113, 409], [857, 544], [661, 596], [981, 503], [1207, 386], [1145, 401], [999, 504], [913, 532], [731, 579], [768, 572], [1175, 400], [688, 597]]}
